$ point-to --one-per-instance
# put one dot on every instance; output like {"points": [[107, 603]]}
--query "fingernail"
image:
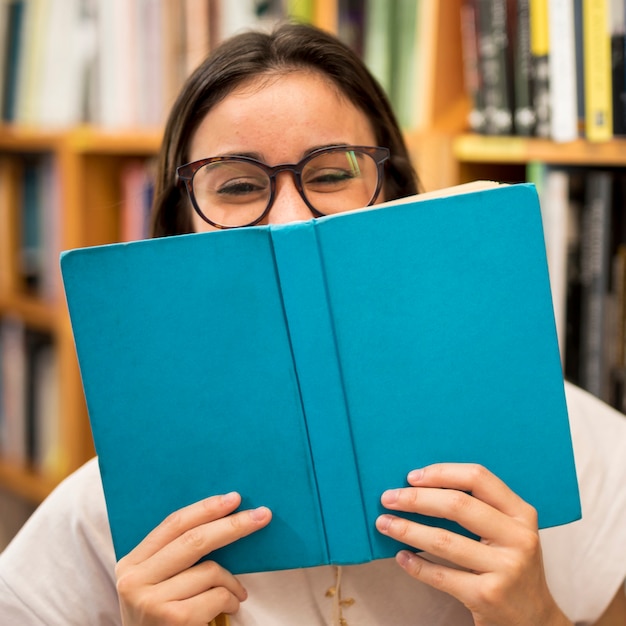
{"points": [[415, 476], [404, 558], [390, 496], [383, 522], [260, 514], [229, 498]]}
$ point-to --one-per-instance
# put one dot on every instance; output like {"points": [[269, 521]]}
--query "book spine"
{"points": [[14, 435], [305, 300], [376, 44], [471, 64], [540, 55], [14, 50], [580, 65], [494, 64], [524, 118], [618, 66], [595, 263], [597, 69], [562, 63], [553, 189]]}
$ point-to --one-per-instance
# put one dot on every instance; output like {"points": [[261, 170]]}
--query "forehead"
{"points": [[279, 116]]}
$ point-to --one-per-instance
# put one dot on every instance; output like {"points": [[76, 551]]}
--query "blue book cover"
{"points": [[311, 366]]}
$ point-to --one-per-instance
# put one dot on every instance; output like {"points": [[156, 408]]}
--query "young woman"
{"points": [[256, 137]]}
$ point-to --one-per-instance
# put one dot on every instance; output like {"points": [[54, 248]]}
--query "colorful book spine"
{"points": [[595, 269], [562, 64], [524, 117], [540, 55], [618, 66], [495, 67], [597, 70]]}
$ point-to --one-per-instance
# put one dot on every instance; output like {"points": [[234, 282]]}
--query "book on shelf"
{"points": [[471, 65], [580, 65], [4, 40], [524, 116], [29, 397], [13, 420], [310, 366], [377, 33], [540, 59], [557, 213], [563, 76], [398, 49], [12, 52], [68, 48], [595, 281], [35, 191], [495, 66], [597, 70], [618, 289], [618, 66]]}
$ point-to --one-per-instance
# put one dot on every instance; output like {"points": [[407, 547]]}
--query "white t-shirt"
{"points": [[59, 569]]}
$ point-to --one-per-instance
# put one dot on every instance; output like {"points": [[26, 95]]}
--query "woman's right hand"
{"points": [[160, 582]]}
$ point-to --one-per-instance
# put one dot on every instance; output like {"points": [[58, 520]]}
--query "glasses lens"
{"points": [[340, 180], [231, 193]]}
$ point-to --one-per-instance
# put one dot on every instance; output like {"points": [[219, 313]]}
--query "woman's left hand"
{"points": [[502, 581]]}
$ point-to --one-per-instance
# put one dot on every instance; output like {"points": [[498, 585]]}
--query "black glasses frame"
{"points": [[185, 174]]}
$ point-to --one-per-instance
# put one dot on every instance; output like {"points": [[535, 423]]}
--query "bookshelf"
{"points": [[89, 160], [88, 165]]}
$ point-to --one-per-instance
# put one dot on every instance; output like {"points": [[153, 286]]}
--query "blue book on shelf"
{"points": [[310, 366]]}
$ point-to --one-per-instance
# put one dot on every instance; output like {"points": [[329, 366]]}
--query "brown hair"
{"points": [[251, 55]]}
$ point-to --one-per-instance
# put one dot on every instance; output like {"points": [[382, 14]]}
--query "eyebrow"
{"points": [[259, 157]]}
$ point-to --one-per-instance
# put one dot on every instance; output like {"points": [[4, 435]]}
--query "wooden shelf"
{"points": [[32, 311], [25, 482], [81, 140], [471, 148]]}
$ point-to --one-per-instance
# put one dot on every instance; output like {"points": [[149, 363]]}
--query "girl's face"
{"points": [[280, 120]]}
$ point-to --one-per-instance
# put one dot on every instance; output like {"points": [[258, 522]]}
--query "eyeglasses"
{"points": [[235, 191]]}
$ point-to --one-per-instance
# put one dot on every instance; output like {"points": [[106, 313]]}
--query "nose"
{"points": [[288, 205]]}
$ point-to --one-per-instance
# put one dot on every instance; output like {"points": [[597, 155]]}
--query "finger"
{"points": [[458, 506], [200, 578], [478, 481], [454, 548], [200, 609], [457, 583], [181, 521], [195, 543]]}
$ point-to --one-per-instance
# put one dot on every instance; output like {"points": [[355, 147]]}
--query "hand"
{"points": [[161, 583], [502, 581]]}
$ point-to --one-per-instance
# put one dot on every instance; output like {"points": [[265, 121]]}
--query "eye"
{"points": [[241, 187], [328, 177]]}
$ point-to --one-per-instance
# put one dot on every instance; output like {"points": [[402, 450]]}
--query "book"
{"points": [[495, 66], [597, 70], [618, 66], [13, 52], [69, 47], [13, 426], [579, 48], [562, 64], [552, 185], [310, 366], [595, 281], [4, 40], [540, 60], [524, 117], [376, 42]]}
